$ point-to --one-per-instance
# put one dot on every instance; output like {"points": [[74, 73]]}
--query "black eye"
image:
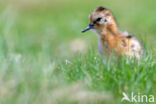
{"points": [[98, 19]]}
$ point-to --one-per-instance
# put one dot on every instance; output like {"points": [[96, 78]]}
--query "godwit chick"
{"points": [[110, 39]]}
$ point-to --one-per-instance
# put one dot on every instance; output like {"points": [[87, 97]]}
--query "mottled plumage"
{"points": [[110, 38]]}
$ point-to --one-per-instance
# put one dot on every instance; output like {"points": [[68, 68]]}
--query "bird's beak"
{"points": [[90, 26]]}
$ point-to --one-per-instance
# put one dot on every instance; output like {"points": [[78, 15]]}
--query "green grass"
{"points": [[38, 64]]}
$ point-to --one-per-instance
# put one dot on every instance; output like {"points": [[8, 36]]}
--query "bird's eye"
{"points": [[98, 19]]}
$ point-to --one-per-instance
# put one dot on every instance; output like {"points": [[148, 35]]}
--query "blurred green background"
{"points": [[39, 37], [48, 26]]}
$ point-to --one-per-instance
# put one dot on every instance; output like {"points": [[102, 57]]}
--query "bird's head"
{"points": [[99, 19]]}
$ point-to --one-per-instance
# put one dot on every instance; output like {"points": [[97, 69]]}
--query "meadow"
{"points": [[45, 59]]}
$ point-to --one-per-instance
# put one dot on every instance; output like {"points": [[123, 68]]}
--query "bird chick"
{"points": [[110, 39]]}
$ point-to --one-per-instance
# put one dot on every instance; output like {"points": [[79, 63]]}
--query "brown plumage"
{"points": [[109, 37]]}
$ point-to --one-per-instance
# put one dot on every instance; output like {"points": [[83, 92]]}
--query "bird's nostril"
{"points": [[91, 25]]}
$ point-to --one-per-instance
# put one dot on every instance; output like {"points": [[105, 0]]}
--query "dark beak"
{"points": [[90, 26]]}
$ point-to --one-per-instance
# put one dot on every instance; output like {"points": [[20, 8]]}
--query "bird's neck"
{"points": [[109, 31]]}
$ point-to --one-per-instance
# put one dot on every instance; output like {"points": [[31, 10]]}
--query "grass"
{"points": [[39, 63]]}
